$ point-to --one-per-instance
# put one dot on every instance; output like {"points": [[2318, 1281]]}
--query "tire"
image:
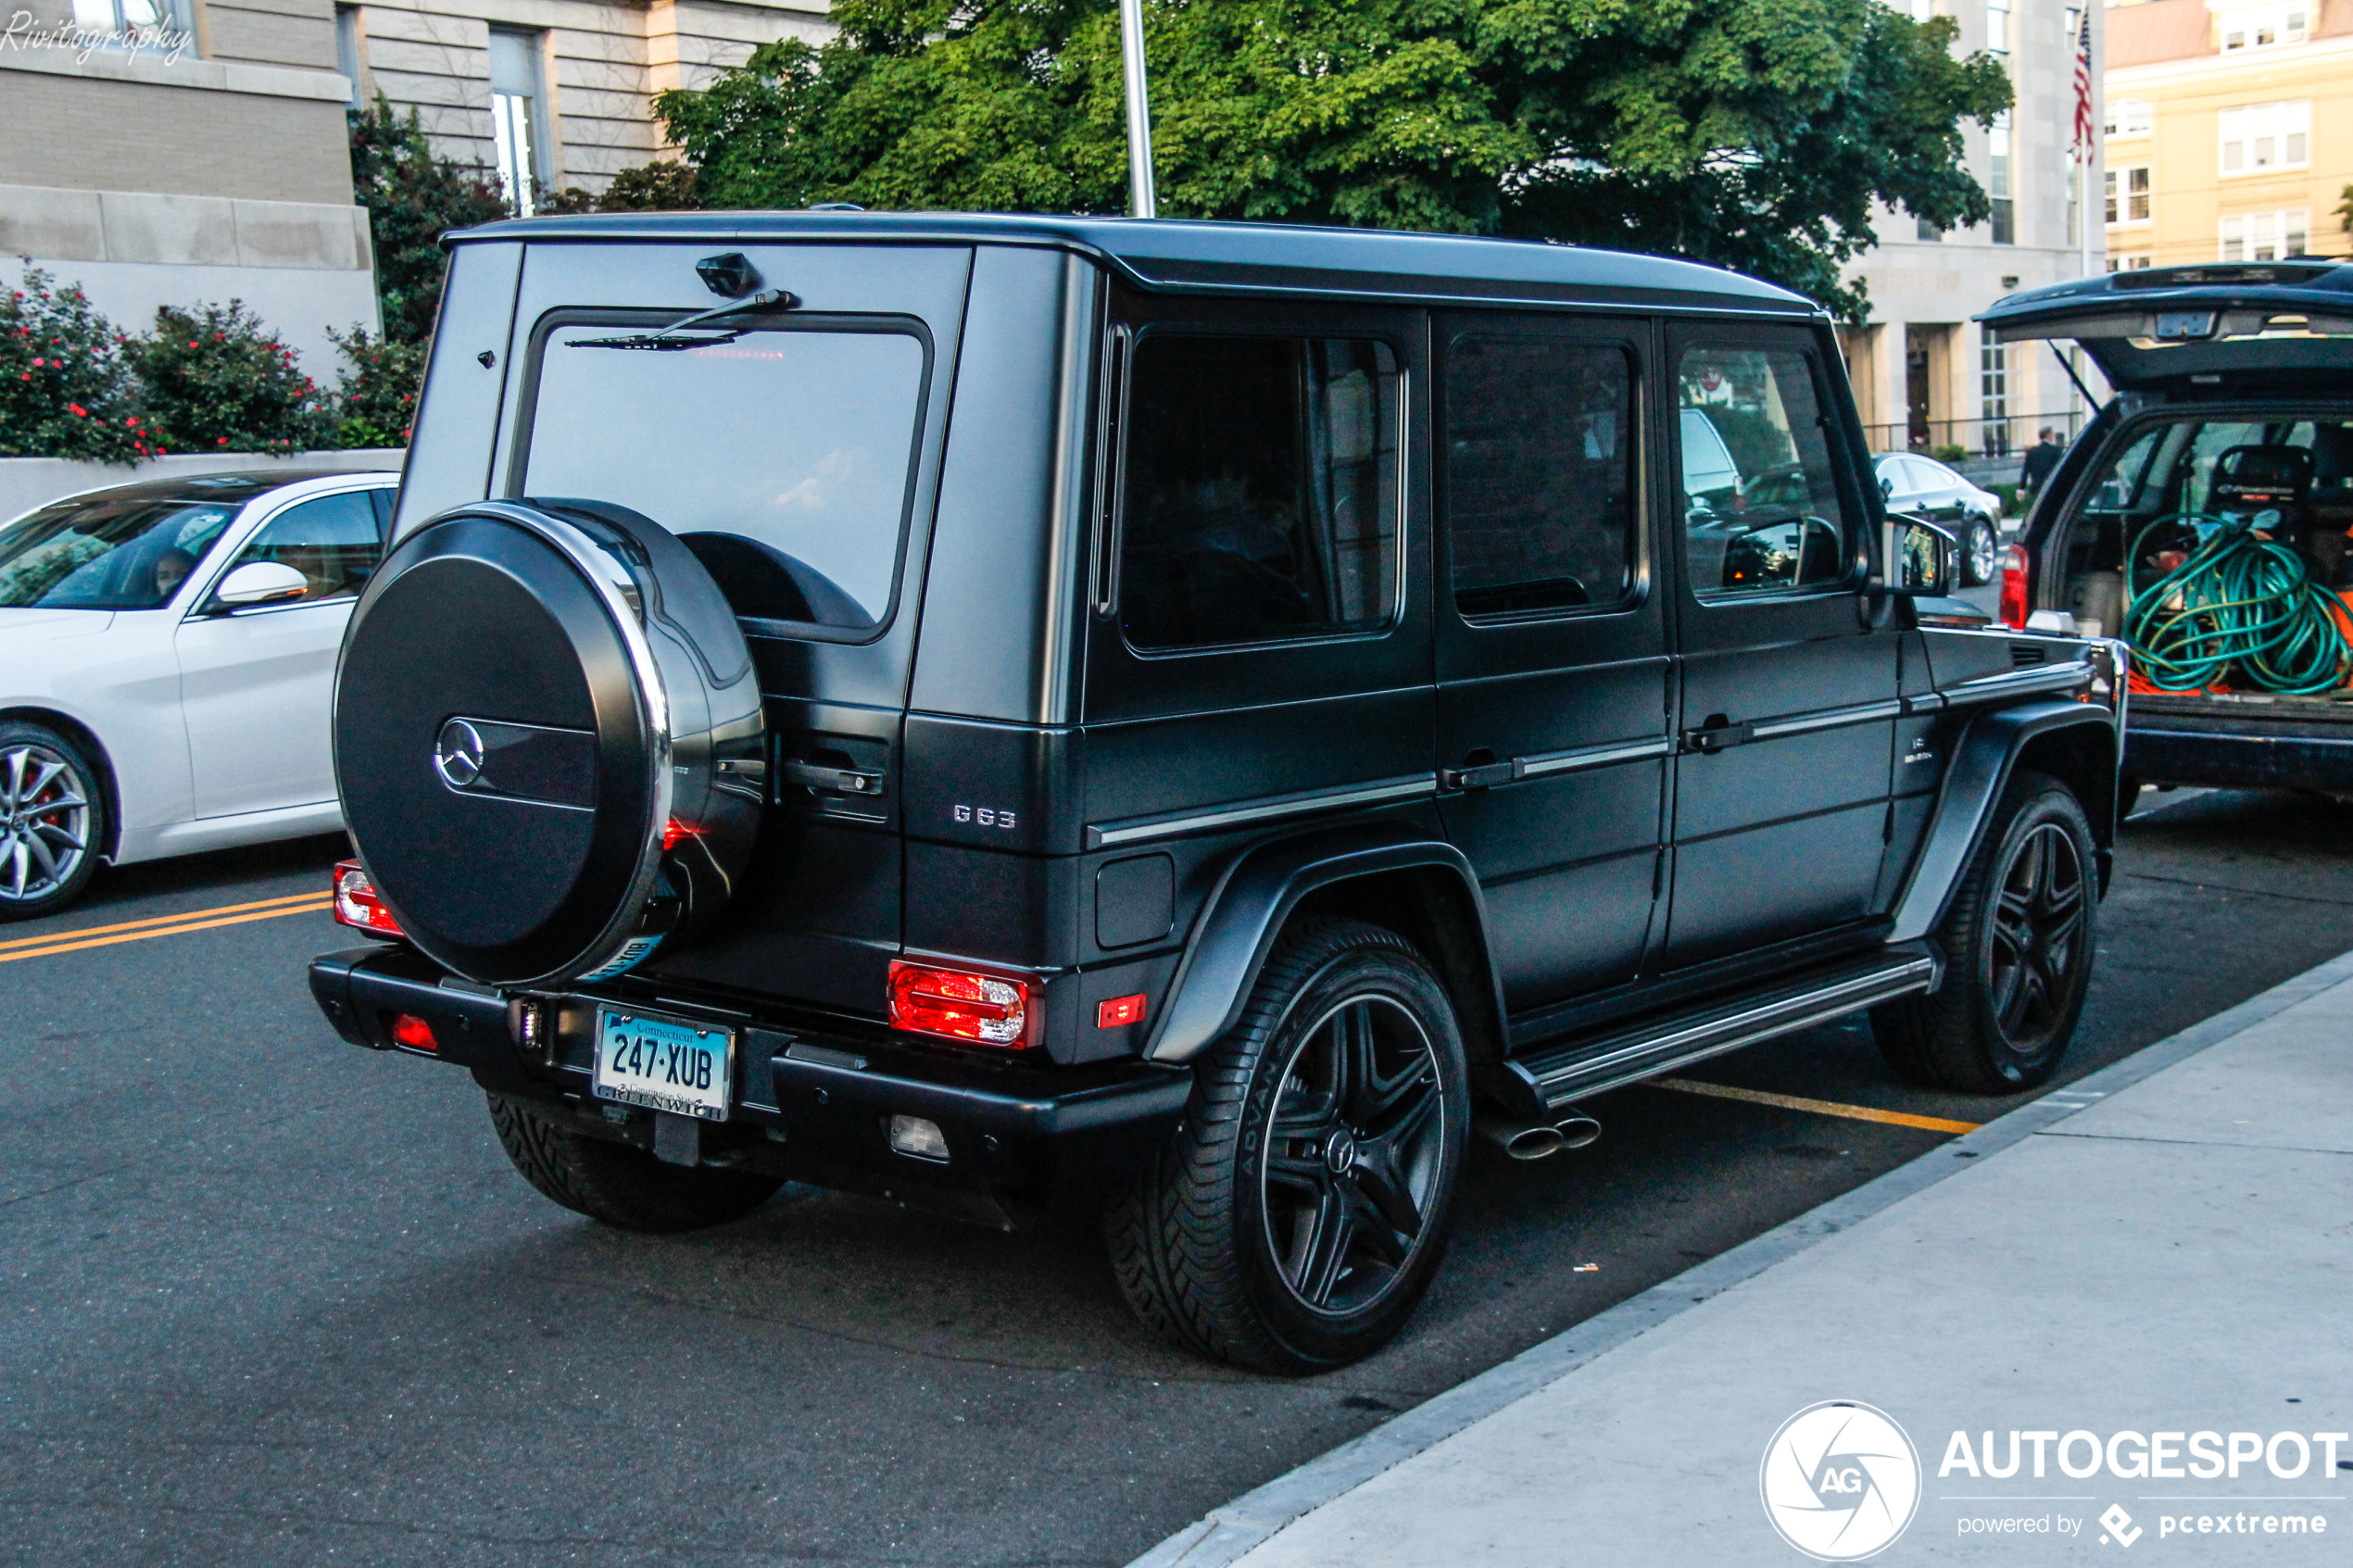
{"points": [[1981, 553], [617, 1183], [2018, 942], [52, 820], [1302, 1206]]}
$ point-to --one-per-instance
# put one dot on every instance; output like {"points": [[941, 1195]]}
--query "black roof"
{"points": [[2311, 284], [1183, 254]]}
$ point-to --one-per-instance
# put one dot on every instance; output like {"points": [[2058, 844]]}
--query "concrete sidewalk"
{"points": [[2163, 1251]]}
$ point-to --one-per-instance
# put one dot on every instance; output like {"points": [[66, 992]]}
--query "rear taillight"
{"points": [[357, 904], [988, 1010], [409, 1030], [2014, 566]]}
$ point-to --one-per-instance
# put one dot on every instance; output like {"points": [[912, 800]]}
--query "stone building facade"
{"points": [[1924, 375]]}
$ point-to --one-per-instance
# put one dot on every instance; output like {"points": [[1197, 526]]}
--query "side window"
{"points": [[331, 541], [1760, 504], [1260, 498], [1539, 474]]}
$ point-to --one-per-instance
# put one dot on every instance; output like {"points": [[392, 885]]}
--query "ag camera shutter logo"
{"points": [[1841, 1481]]}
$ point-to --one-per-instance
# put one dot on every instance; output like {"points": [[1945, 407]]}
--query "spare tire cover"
{"points": [[547, 737]]}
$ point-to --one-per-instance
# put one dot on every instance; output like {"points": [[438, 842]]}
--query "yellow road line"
{"points": [[1818, 1107], [46, 938], [66, 943]]}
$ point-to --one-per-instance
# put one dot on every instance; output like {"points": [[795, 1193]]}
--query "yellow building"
{"points": [[2229, 131]]}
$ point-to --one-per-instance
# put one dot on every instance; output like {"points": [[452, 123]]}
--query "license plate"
{"points": [[663, 1063]]}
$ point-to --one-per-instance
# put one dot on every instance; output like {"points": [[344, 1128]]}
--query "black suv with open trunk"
{"points": [[1195, 719]]}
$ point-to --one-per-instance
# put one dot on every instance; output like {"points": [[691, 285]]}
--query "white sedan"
{"points": [[167, 665]]}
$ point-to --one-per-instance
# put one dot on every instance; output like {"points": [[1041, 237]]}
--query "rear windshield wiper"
{"points": [[667, 340]]}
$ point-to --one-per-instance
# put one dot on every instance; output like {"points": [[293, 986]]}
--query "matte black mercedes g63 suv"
{"points": [[1199, 718]]}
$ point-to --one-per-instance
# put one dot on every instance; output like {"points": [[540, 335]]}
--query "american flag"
{"points": [[2084, 129]]}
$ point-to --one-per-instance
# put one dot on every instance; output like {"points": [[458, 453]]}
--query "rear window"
{"points": [[782, 456]]}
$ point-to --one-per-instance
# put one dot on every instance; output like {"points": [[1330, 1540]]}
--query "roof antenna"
{"points": [[1140, 201]]}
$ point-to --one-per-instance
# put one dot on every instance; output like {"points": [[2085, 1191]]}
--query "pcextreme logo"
{"points": [[1841, 1481]]}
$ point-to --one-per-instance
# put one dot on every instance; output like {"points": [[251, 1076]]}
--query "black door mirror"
{"points": [[1886, 486], [1925, 557]]}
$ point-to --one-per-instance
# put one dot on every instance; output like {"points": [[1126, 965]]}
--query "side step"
{"points": [[1559, 1073]]}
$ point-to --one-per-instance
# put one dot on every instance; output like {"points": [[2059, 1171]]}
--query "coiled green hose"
{"points": [[2236, 601]]}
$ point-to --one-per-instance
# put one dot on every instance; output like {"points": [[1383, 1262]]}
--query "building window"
{"points": [[117, 20], [347, 51], [519, 118], [1993, 396], [1997, 184], [1924, 230], [2262, 27], [1998, 27], [2128, 195], [2260, 136], [2128, 263], [2130, 117], [2264, 236]]}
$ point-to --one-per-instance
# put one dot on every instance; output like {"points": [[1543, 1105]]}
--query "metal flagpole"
{"points": [[1140, 201]]}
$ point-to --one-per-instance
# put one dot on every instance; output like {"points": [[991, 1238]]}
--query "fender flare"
{"points": [[1254, 895], [1983, 759]]}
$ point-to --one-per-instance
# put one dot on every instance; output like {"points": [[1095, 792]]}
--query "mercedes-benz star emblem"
{"points": [[458, 756]]}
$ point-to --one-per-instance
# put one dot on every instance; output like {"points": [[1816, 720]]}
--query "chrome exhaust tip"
{"points": [[1577, 1130], [1522, 1140]]}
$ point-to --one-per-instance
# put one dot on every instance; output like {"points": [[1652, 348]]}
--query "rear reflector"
{"points": [[1120, 1011], [921, 1139], [958, 1005], [357, 903], [409, 1030]]}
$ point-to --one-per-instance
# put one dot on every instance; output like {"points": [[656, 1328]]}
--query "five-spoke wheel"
{"points": [[2018, 942], [50, 816], [1297, 1216]]}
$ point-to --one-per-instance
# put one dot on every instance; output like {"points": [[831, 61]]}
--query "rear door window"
{"points": [[1539, 474], [784, 456], [1259, 501]]}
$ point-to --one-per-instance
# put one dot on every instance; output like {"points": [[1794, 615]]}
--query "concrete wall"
{"points": [[27, 482], [603, 64]]}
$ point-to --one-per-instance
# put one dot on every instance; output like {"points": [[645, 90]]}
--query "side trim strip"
{"points": [[1133, 830], [2018, 683], [1592, 756], [1825, 718]]}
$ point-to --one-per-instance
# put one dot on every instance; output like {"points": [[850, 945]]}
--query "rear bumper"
{"points": [[2242, 760], [808, 1104]]}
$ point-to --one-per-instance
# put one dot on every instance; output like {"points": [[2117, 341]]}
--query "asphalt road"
{"points": [[273, 1299]]}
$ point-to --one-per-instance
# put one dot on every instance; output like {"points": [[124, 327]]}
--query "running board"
{"points": [[1562, 1074]]}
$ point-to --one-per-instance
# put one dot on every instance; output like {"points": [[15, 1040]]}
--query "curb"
{"points": [[1257, 1516]]}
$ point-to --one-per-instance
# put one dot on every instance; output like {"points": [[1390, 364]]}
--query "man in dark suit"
{"points": [[2041, 459]]}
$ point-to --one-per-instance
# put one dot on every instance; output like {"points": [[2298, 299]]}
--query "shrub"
{"points": [[65, 380], [375, 400], [1949, 452], [215, 379], [413, 197]]}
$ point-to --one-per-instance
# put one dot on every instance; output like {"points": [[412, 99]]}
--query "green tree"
{"points": [[413, 197], [1754, 133]]}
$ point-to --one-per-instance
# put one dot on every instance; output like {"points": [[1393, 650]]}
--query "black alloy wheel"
{"points": [[52, 821], [1980, 552], [1354, 1141], [1302, 1209], [2018, 940]]}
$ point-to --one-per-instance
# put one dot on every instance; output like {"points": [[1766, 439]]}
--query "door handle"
{"points": [[836, 781], [1717, 733], [1486, 776]]}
